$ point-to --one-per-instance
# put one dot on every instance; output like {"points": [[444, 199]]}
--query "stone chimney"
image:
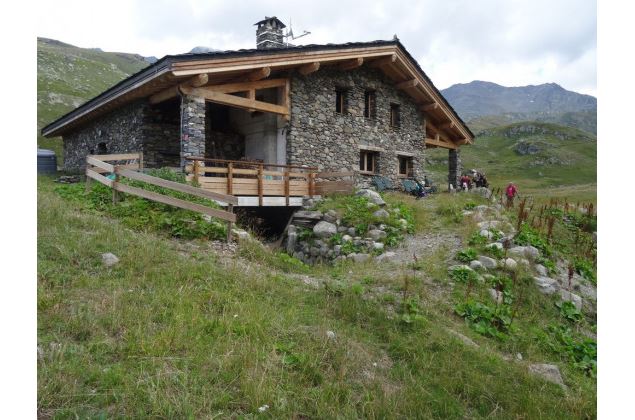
{"points": [[269, 33]]}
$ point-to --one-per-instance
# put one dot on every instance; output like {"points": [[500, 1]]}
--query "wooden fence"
{"points": [[96, 165], [245, 178]]}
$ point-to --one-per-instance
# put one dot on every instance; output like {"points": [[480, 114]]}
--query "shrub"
{"points": [[495, 252], [530, 236], [477, 239], [581, 352], [569, 311], [484, 319], [464, 275], [466, 255], [585, 268]]}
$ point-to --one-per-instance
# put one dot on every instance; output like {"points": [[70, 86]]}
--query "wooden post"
{"points": [[141, 161], [115, 193], [230, 178], [286, 187], [230, 225], [312, 184], [260, 185], [88, 180], [196, 172]]}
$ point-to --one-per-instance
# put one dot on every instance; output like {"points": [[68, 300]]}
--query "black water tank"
{"points": [[46, 161]]}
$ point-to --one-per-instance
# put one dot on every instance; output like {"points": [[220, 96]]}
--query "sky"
{"points": [[509, 42]]}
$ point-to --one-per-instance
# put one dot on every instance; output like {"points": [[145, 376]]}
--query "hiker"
{"points": [[465, 182], [511, 191], [484, 182]]}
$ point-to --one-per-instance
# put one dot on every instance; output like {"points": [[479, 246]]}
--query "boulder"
{"points": [[386, 256], [517, 251], [292, 239], [496, 245], [337, 250], [352, 231], [324, 229], [489, 225], [372, 196], [346, 238], [109, 259], [486, 234], [509, 264], [487, 262], [476, 265], [306, 214], [459, 266], [466, 340], [546, 285], [541, 270], [548, 372], [381, 214], [376, 234], [532, 253], [589, 292], [571, 297], [378, 246], [496, 295], [359, 258], [330, 216]]}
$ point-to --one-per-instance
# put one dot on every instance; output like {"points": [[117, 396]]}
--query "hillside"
{"points": [[486, 105], [534, 155], [67, 76], [198, 329]]}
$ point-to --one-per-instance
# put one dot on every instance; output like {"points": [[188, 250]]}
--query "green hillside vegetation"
{"points": [[179, 329], [535, 156], [68, 76], [582, 120]]}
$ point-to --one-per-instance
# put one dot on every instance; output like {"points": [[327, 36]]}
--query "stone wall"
{"points": [[318, 136], [454, 167], [119, 131], [161, 146], [192, 127]]}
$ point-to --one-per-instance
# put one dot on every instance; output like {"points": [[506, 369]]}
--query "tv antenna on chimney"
{"points": [[289, 34]]}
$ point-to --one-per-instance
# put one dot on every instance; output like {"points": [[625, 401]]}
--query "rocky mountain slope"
{"points": [[67, 76], [485, 105]]}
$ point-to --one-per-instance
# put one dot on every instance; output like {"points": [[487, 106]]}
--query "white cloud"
{"points": [[509, 42]]}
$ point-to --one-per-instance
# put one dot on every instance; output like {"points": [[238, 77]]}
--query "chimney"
{"points": [[269, 33]]}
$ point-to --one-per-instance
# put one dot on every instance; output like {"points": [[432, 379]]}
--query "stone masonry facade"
{"points": [[319, 136]]}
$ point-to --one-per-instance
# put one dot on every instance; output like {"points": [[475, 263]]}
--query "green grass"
{"points": [[167, 333]]}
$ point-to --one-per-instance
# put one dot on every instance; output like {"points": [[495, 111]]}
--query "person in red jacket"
{"points": [[511, 191]]}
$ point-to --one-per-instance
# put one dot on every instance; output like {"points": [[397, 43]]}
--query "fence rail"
{"points": [[96, 165]]}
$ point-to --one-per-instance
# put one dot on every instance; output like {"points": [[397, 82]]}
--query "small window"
{"points": [[405, 166], [368, 161], [369, 104], [395, 115], [102, 149], [340, 101]]}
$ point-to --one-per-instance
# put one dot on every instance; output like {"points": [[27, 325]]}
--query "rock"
{"points": [[342, 229], [487, 262], [404, 223], [372, 196], [381, 214], [337, 250], [546, 285], [517, 251], [360, 258], [496, 245], [292, 238], [467, 213], [305, 214], [330, 335], [466, 340], [488, 225], [330, 216], [571, 297], [532, 253], [486, 234], [496, 295], [541, 270], [346, 238], [524, 262], [352, 231], [378, 246], [109, 259], [519, 356], [589, 292], [548, 372], [324, 229], [476, 265], [386, 256], [376, 234], [509, 264], [459, 266], [241, 235]]}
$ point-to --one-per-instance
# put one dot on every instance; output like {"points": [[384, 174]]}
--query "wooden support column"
{"points": [[230, 225], [196, 172], [286, 187], [141, 161], [312, 184], [260, 185], [230, 178]]}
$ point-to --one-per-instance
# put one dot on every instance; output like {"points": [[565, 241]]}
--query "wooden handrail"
{"points": [[248, 163]]}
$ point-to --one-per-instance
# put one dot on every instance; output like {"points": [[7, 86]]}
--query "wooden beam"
{"points": [[199, 80], [407, 84], [259, 74], [351, 64], [173, 91], [430, 107], [446, 125], [236, 101], [247, 86], [437, 143], [380, 62], [309, 68]]}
